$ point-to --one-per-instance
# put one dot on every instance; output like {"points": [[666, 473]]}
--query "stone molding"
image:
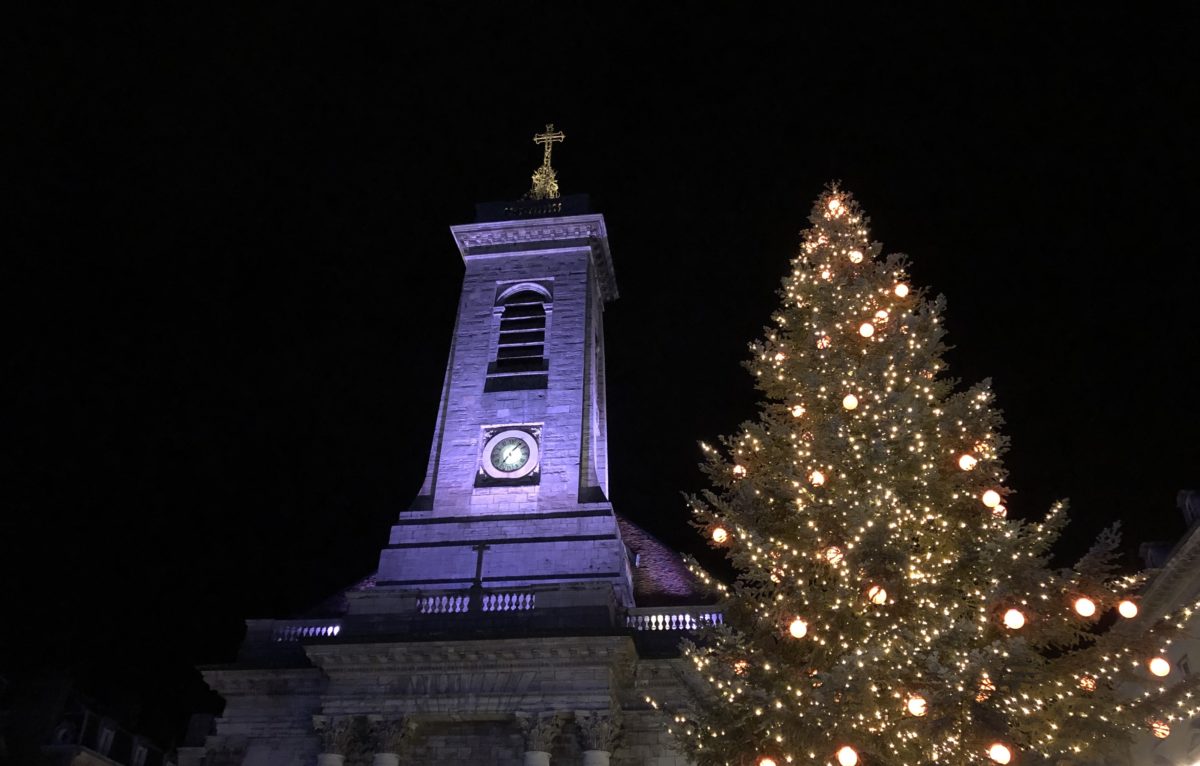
{"points": [[272, 681], [598, 730], [226, 753], [540, 730], [512, 654]]}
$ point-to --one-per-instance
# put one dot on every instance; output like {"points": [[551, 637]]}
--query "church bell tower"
{"points": [[516, 492]]}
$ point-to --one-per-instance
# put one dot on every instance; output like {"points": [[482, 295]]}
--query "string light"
{"points": [[719, 535], [835, 204], [1127, 609], [847, 756], [1014, 619], [1085, 607], [798, 628], [1000, 753]]}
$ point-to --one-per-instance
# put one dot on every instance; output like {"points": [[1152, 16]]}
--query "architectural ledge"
{"points": [[477, 239], [512, 653], [236, 681]]}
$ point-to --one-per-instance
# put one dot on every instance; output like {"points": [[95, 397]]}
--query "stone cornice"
{"points": [[481, 239], [232, 681], [1177, 583]]}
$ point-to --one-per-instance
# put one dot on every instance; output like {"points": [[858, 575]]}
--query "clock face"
{"points": [[510, 454]]}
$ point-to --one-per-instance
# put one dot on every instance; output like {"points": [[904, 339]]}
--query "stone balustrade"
{"points": [[673, 618]]}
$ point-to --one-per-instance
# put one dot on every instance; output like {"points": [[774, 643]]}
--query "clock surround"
{"points": [[510, 454]]}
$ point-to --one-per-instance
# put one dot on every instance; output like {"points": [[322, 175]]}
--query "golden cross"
{"points": [[548, 138]]}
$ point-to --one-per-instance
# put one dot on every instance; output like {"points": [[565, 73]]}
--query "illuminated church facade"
{"points": [[515, 618]]}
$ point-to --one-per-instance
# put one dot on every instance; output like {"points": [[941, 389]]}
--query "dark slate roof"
{"points": [[660, 578]]}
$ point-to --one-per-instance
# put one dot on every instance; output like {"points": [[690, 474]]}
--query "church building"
{"points": [[515, 618]]}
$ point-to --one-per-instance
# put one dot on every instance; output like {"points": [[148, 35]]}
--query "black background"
{"points": [[232, 283]]}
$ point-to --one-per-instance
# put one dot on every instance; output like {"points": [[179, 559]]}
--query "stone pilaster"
{"points": [[597, 735], [539, 731]]}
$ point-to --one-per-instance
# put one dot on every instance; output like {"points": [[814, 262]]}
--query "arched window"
{"points": [[521, 343]]}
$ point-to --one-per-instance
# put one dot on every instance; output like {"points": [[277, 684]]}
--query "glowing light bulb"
{"points": [[797, 411], [881, 316], [866, 329], [877, 595], [767, 762], [719, 535], [833, 555], [856, 256], [739, 471], [1014, 619], [1128, 609], [817, 478], [1085, 607], [847, 756], [1160, 728], [1159, 666], [901, 290], [798, 628], [916, 705], [1087, 683], [991, 498], [1000, 512], [779, 357], [835, 205], [999, 753], [850, 402], [967, 462], [826, 274]]}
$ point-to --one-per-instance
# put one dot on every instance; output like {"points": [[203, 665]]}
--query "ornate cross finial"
{"points": [[545, 185]]}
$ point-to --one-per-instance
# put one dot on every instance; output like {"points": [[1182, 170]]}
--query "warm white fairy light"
{"points": [[1085, 607], [798, 628], [1014, 619], [850, 401], [847, 756], [835, 204]]}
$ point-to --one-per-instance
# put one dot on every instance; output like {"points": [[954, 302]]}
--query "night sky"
{"points": [[232, 284]]}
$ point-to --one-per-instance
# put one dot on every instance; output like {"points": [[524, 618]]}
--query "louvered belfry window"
{"points": [[521, 347]]}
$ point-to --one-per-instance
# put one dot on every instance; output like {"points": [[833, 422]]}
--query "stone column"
{"points": [[388, 737], [597, 736], [539, 732], [335, 733]]}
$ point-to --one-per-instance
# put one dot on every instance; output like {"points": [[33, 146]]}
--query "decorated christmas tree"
{"points": [[886, 610]]}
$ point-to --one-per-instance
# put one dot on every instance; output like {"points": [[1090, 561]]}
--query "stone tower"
{"points": [[514, 619]]}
